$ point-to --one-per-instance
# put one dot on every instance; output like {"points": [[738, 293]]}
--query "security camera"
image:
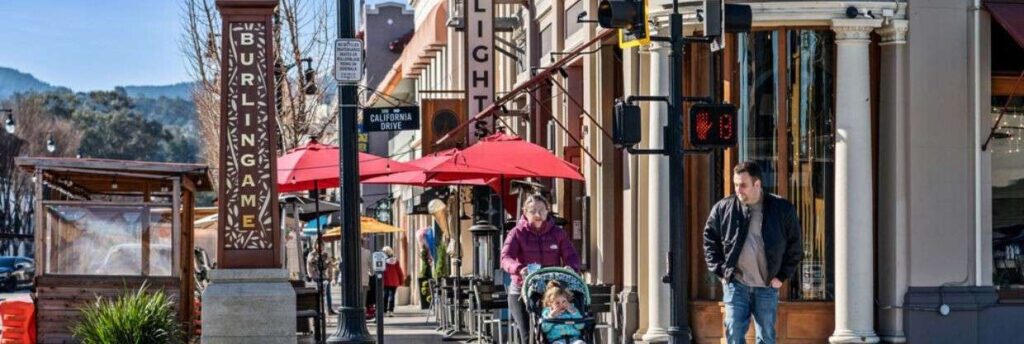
{"points": [[853, 12]]}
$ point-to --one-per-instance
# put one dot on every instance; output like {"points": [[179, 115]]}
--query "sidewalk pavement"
{"points": [[409, 325]]}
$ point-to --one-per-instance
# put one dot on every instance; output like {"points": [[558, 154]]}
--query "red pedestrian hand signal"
{"points": [[712, 125], [703, 125]]}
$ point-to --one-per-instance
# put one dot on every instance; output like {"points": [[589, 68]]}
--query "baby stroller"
{"points": [[534, 287]]}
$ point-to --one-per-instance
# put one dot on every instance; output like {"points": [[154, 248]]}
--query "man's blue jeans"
{"points": [[740, 303]]}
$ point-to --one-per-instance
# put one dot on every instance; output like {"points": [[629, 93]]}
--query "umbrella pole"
{"points": [[458, 332], [501, 222], [319, 264]]}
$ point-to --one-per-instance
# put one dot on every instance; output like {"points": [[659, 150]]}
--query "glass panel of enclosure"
{"points": [[808, 127], [105, 239], [810, 138], [1008, 194]]}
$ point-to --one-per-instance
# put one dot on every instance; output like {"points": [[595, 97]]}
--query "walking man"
{"points": [[752, 243]]}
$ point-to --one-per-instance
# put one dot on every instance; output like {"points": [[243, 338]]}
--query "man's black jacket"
{"points": [[726, 232]]}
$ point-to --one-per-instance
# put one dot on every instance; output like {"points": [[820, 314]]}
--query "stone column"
{"points": [[853, 208], [893, 181], [657, 193], [629, 298]]}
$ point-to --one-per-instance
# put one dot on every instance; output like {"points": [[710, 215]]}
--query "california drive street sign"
{"points": [[391, 118]]}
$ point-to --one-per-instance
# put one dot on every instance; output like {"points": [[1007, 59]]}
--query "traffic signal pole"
{"points": [[352, 316], [679, 325]]}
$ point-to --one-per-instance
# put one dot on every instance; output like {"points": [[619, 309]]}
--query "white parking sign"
{"points": [[348, 60]]}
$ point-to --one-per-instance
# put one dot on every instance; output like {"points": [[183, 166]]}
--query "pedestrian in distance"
{"points": [[535, 240], [393, 277], [752, 243]]}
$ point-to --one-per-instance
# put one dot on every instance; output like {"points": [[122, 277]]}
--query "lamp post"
{"points": [[351, 319]]}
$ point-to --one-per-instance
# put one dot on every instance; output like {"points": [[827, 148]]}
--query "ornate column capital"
{"points": [[894, 33], [854, 29]]}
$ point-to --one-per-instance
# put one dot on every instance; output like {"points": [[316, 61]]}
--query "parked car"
{"points": [[16, 272]]}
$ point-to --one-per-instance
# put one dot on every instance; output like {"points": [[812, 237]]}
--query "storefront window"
{"points": [[810, 143], [795, 150], [1008, 194], [758, 113]]}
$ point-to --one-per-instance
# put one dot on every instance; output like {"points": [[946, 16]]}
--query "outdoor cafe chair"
{"points": [[488, 299], [603, 301]]}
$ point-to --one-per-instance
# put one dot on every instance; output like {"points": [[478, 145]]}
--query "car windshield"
{"points": [[7, 262]]}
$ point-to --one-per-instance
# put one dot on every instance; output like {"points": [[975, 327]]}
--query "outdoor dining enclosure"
{"points": [[107, 226]]}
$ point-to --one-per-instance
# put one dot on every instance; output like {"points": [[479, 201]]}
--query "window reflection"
{"points": [[810, 133], [758, 113], [1008, 194]]}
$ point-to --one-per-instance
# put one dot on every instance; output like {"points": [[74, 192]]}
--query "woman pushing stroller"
{"points": [[536, 239]]}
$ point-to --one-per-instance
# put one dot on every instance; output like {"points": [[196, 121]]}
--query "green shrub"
{"points": [[135, 317]]}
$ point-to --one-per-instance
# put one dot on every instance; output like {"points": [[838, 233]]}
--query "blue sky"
{"points": [[94, 44]]}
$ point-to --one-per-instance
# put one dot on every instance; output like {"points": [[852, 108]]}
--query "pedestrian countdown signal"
{"points": [[712, 125]]}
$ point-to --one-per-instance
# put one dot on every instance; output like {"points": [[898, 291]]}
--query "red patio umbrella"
{"points": [[504, 156], [420, 177], [315, 165]]}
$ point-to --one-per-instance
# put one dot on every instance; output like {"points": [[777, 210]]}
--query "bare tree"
{"points": [[301, 32], [17, 192]]}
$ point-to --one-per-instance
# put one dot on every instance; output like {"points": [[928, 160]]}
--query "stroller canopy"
{"points": [[537, 283]]}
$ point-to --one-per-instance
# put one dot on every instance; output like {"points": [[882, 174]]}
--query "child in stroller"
{"points": [[558, 301]]}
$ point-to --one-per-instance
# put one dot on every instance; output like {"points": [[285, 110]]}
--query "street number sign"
{"points": [[348, 61]]}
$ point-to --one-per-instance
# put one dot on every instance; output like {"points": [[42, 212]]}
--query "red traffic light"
{"points": [[712, 125]]}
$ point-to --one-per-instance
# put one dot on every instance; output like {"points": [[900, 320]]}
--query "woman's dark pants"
{"points": [[522, 322]]}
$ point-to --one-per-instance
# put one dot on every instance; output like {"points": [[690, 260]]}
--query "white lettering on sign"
{"points": [[388, 117], [348, 61], [479, 64]]}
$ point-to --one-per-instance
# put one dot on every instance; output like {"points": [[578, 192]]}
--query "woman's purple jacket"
{"points": [[550, 246]]}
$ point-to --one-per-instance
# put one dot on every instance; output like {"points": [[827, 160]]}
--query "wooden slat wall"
{"points": [[58, 300]]}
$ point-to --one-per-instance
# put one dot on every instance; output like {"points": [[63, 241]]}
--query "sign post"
{"points": [[351, 326], [379, 264]]}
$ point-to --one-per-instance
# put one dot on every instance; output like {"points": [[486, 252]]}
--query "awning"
{"points": [[1010, 15], [541, 75], [428, 39]]}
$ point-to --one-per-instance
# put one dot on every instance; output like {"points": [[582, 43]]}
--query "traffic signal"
{"points": [[720, 18], [630, 17], [626, 124], [712, 125]]}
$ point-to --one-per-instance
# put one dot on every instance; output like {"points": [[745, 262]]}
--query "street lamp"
{"points": [[383, 210], [9, 122], [51, 145]]}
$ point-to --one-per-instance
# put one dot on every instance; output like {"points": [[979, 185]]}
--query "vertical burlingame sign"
{"points": [[247, 196], [479, 65]]}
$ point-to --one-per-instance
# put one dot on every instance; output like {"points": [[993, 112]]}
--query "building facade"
{"points": [[871, 123]]}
